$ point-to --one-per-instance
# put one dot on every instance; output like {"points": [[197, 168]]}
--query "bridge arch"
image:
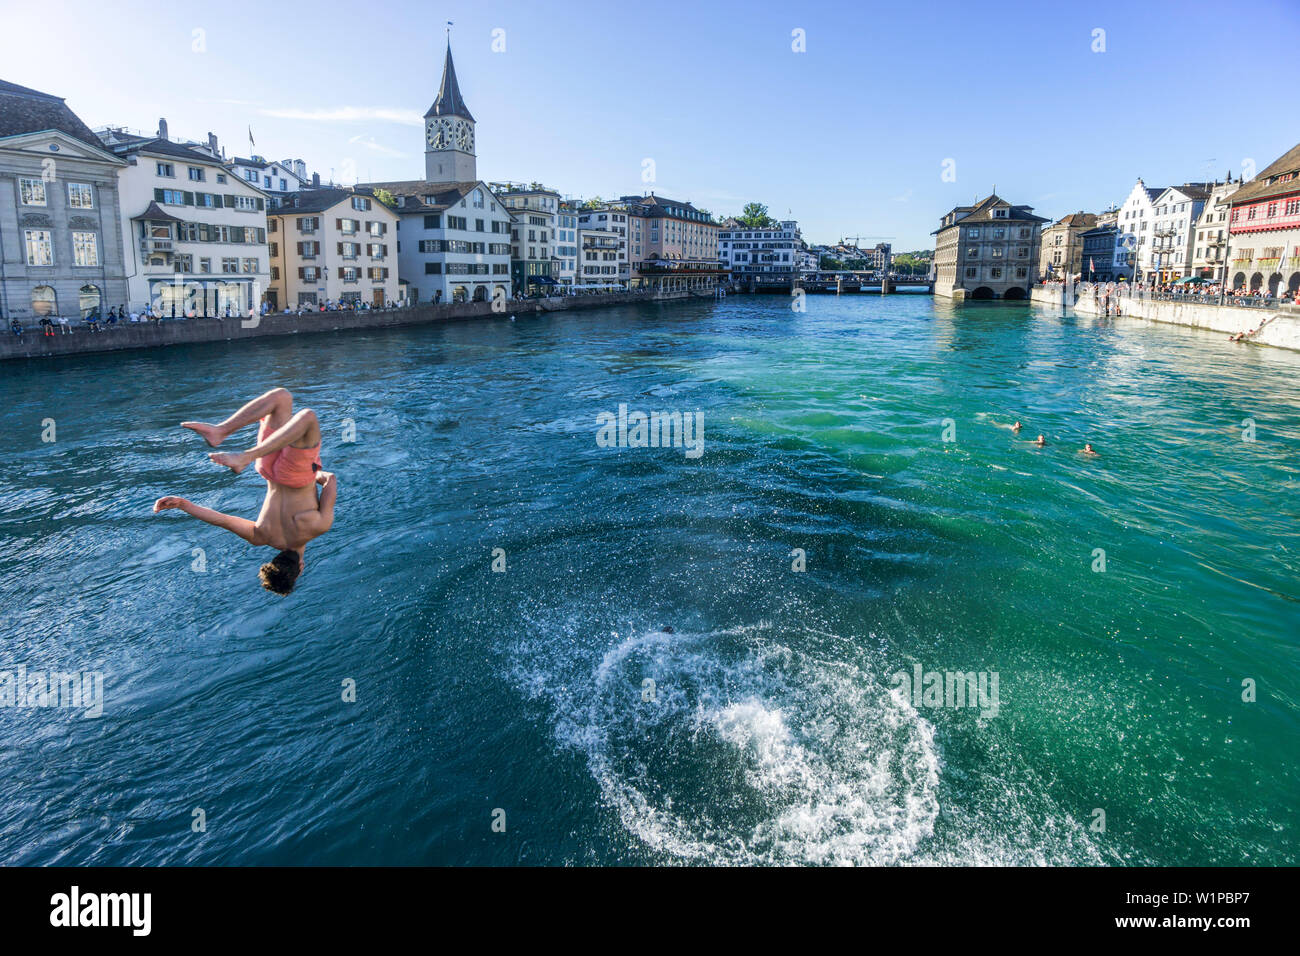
{"points": [[1014, 293], [983, 292]]}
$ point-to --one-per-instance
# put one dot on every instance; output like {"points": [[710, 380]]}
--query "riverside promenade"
{"points": [[138, 335], [1278, 326]]}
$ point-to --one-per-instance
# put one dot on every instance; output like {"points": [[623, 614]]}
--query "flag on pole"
{"points": [[1092, 265], [251, 144]]}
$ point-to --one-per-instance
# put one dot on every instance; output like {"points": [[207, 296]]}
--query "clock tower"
{"points": [[449, 133]]}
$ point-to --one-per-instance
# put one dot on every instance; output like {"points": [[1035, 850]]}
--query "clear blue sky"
{"points": [[848, 137]]}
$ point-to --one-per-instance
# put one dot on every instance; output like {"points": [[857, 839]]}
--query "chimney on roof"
{"points": [[315, 180], [212, 144], [162, 128]]}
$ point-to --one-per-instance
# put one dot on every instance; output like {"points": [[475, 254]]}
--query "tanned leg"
{"points": [[277, 403], [301, 431]]}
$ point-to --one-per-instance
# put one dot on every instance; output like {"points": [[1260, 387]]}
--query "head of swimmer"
{"points": [[280, 574]]}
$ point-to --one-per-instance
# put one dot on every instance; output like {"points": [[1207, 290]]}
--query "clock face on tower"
{"points": [[438, 134], [463, 136]]}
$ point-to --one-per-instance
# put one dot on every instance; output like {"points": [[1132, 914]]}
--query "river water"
{"points": [[1137, 610]]}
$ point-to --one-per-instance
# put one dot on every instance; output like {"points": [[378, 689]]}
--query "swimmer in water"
{"points": [[1016, 428], [1088, 449], [1040, 441], [287, 454]]}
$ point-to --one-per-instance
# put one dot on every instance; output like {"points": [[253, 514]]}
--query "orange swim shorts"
{"points": [[291, 467]]}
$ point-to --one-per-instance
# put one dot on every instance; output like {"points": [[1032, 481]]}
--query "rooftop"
{"points": [[449, 101], [1276, 179], [24, 110]]}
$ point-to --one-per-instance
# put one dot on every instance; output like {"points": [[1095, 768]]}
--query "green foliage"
{"points": [[913, 263], [754, 216]]}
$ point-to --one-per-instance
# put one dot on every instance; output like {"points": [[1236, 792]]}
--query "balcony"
{"points": [[148, 246]]}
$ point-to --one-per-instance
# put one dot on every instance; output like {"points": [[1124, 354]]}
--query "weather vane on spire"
{"points": [[449, 23]]}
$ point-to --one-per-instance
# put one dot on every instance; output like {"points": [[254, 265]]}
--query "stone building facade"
{"points": [[987, 251], [60, 209], [1061, 247]]}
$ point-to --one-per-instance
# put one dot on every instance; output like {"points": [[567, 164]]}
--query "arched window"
{"points": [[44, 301], [88, 299]]}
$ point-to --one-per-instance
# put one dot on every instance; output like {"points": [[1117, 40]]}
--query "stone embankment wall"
{"points": [[1278, 327], [136, 335]]}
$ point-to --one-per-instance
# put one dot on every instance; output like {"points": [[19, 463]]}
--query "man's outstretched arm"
{"points": [[240, 526]]}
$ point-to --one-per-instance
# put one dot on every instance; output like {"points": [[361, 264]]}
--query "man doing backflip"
{"points": [[288, 457]]}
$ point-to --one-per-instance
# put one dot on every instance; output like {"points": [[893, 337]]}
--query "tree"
{"points": [[595, 202], [754, 216], [387, 198]]}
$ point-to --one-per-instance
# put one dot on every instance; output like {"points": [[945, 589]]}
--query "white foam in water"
{"points": [[751, 752]]}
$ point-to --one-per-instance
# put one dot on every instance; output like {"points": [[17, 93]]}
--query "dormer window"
{"points": [[1000, 213]]}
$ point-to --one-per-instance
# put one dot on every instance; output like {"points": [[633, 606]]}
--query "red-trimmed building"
{"points": [[1264, 229]]}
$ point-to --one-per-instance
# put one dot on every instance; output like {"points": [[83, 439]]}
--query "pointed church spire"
{"points": [[449, 101]]}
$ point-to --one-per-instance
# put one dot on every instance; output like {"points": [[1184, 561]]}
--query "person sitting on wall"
{"points": [[16, 327], [47, 327]]}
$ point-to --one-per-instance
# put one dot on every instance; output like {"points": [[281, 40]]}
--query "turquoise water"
{"points": [[774, 732]]}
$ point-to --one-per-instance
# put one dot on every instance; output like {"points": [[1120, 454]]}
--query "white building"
{"points": [[276, 179], [194, 234], [1176, 211], [807, 259], [566, 246], [603, 245], [453, 241], [1210, 247], [1137, 218], [773, 251]]}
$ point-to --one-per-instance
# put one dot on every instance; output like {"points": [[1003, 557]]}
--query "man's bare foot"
{"points": [[235, 463], [213, 435]]}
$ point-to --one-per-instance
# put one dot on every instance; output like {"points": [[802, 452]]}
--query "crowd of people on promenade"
{"points": [[1208, 292], [94, 321]]}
